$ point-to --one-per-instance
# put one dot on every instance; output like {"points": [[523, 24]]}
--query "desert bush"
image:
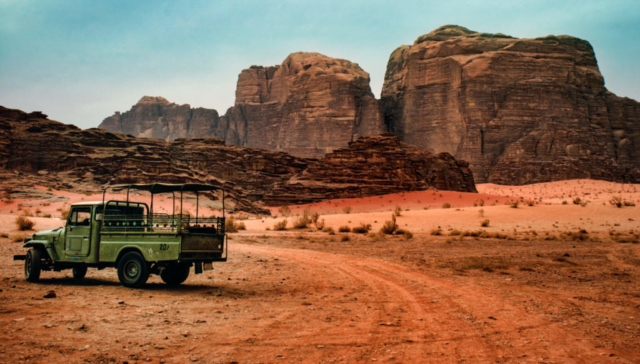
{"points": [[319, 224], [633, 239], [446, 205], [389, 227], [437, 231], [577, 201], [313, 217], [481, 212], [362, 229], [328, 230], [27, 212], [406, 234], [479, 202], [285, 211], [344, 229], [580, 235], [231, 226], [347, 210], [23, 223], [450, 240], [397, 211], [514, 204], [304, 220], [565, 203], [484, 223], [628, 203], [344, 238], [531, 203], [482, 263], [46, 215], [4, 235], [279, 226], [455, 232], [616, 201]]}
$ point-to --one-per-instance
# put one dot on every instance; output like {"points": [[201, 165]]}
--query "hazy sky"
{"points": [[80, 61]]}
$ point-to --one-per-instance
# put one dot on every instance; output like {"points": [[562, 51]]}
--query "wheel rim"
{"points": [[132, 270]]}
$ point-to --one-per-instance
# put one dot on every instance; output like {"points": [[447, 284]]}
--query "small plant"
{"points": [[319, 224], [389, 227], [303, 221], [406, 234], [531, 203], [314, 216], [328, 230], [362, 229], [484, 223], [19, 238], [514, 205], [455, 232], [450, 240], [231, 226], [437, 231], [279, 226], [24, 223], [344, 238], [46, 215], [347, 210], [446, 205], [344, 229], [616, 201], [285, 211], [577, 201], [564, 202], [4, 235], [397, 211], [27, 212], [481, 212], [628, 203]]}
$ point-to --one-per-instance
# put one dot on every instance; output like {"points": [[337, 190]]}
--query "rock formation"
{"points": [[373, 166], [155, 117], [308, 106], [518, 110], [34, 149]]}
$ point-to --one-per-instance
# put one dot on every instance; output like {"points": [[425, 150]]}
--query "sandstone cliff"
{"points": [[34, 149], [308, 106], [518, 110], [155, 117]]}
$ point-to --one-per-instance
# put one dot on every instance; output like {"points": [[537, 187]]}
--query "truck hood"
{"points": [[47, 233]]}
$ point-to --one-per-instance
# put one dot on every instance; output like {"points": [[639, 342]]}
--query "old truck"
{"points": [[132, 237]]}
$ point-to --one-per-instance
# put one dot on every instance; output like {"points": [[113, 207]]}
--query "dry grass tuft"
{"points": [[231, 226], [482, 263], [397, 211], [347, 210], [446, 205], [344, 229], [23, 223], [389, 227], [437, 231], [484, 223], [280, 226], [285, 211], [362, 229]]}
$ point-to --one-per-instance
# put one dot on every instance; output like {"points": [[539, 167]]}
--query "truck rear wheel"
{"points": [[33, 265], [133, 270], [79, 272], [175, 274]]}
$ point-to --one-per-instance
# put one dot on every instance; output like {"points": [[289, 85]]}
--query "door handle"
{"points": [[70, 229]]}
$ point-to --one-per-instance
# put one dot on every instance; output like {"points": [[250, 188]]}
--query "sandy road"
{"points": [[411, 317]]}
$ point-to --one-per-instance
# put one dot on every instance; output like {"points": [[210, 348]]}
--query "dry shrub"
{"points": [[279, 226], [479, 202], [344, 229], [231, 226], [484, 223], [314, 216], [406, 234], [565, 203], [483, 263], [64, 213], [303, 221], [46, 215], [513, 205], [450, 240], [616, 201], [389, 227], [362, 229], [628, 203], [397, 211], [4, 235], [437, 231], [455, 232], [344, 238], [580, 235], [285, 211], [347, 210], [577, 201], [633, 239], [27, 212], [328, 230], [319, 224], [446, 205], [531, 203], [24, 223]]}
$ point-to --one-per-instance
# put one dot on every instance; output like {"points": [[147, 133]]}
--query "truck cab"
{"points": [[132, 238]]}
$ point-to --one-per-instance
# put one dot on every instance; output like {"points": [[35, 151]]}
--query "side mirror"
{"points": [[98, 217]]}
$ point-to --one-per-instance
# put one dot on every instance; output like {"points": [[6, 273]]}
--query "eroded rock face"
{"points": [[155, 117], [308, 106], [373, 166], [518, 110], [34, 149]]}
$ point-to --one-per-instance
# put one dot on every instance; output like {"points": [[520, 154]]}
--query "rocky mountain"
{"points": [[34, 149], [518, 110], [308, 106], [155, 117]]}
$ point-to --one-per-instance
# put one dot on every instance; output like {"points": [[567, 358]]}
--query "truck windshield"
{"points": [[80, 216]]}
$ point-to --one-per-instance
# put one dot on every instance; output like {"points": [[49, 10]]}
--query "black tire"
{"points": [[175, 274], [33, 265], [79, 271], [133, 270]]}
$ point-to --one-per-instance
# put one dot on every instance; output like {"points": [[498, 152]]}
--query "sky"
{"points": [[79, 61]]}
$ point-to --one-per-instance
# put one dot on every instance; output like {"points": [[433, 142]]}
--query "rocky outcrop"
{"points": [[155, 117], [308, 106], [34, 149], [518, 110], [373, 166]]}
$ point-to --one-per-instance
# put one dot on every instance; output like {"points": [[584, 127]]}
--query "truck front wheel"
{"points": [[133, 270], [33, 265], [175, 274]]}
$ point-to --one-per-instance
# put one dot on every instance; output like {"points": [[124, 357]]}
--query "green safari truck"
{"points": [[131, 237]]}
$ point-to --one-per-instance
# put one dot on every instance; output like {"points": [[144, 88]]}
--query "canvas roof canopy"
{"points": [[166, 187]]}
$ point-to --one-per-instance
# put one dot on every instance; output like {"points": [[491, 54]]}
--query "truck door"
{"points": [[78, 231]]}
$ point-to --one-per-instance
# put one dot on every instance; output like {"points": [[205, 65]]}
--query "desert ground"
{"points": [[552, 279]]}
